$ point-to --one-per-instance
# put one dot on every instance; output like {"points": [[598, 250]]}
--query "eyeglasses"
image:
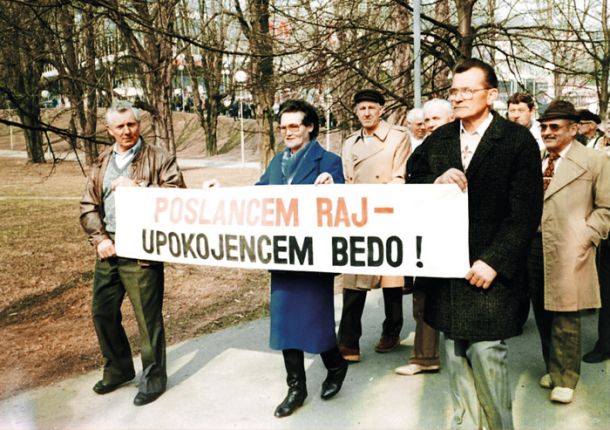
{"points": [[551, 127], [293, 128], [466, 93]]}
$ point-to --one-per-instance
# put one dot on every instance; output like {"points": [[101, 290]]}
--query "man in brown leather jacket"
{"points": [[129, 162]]}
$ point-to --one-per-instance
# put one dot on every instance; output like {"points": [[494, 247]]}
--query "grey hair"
{"points": [[414, 114], [434, 104], [120, 106]]}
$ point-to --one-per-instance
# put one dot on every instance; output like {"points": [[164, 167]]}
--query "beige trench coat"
{"points": [[576, 217], [380, 161]]}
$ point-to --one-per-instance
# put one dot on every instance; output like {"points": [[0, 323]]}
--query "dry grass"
{"points": [[46, 270]]}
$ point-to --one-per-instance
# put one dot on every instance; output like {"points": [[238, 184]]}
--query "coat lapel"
{"points": [[488, 140], [451, 141], [571, 168], [363, 150]]}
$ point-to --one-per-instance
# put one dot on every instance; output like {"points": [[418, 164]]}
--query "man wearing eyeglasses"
{"points": [[498, 163], [562, 272], [375, 154], [587, 127]]}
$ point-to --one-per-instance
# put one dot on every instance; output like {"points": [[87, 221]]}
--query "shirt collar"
{"points": [[481, 129], [381, 132], [563, 152], [131, 151]]}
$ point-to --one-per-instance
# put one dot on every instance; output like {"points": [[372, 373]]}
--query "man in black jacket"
{"points": [[498, 164]]}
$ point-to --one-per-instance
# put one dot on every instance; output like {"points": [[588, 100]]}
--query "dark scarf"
{"points": [[291, 162]]}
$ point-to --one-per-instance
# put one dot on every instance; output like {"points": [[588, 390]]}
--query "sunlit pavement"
{"points": [[183, 163], [232, 380]]}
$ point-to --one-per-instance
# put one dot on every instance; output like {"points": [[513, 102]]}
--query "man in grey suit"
{"points": [[498, 163]]}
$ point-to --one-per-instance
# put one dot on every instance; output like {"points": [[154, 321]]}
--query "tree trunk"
{"points": [[464, 11], [402, 66]]}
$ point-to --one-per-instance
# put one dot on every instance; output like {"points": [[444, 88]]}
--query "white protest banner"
{"points": [[419, 230]]}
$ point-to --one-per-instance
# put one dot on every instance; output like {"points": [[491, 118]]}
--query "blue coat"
{"points": [[302, 308]]}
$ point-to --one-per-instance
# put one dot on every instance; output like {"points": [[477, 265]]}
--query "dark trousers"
{"points": [[350, 327], [426, 346], [559, 331], [603, 273], [144, 286]]}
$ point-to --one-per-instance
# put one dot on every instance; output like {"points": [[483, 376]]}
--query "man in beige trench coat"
{"points": [[561, 266], [375, 154]]}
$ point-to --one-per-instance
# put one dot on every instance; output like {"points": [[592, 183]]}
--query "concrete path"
{"points": [[232, 380], [183, 163]]}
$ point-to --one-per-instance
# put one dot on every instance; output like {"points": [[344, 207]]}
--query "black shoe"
{"points": [[101, 388], [595, 356], [142, 399], [333, 382], [294, 399]]}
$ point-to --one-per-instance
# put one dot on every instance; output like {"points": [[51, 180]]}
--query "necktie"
{"points": [[467, 144], [550, 170]]}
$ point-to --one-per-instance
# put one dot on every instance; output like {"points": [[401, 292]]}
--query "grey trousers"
{"points": [[480, 390]]}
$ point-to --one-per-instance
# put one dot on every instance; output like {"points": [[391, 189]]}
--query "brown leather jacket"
{"points": [[151, 167]]}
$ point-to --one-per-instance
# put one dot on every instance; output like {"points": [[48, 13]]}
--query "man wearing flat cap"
{"points": [[587, 127], [375, 154], [561, 264]]}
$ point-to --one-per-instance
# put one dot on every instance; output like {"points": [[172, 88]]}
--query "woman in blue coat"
{"points": [[302, 308]]}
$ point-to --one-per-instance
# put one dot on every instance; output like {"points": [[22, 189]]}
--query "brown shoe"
{"points": [[350, 355], [387, 344]]}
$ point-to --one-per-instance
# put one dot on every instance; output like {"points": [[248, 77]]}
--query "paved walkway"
{"points": [[232, 380], [183, 163]]}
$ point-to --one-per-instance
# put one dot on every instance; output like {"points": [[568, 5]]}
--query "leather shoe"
{"points": [[414, 369], [562, 395], [294, 399], [387, 344], [333, 382], [142, 399], [546, 381], [101, 388], [351, 355], [595, 356]]}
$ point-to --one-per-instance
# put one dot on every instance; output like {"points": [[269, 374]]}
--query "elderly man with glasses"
{"points": [[498, 163], [587, 127], [562, 272]]}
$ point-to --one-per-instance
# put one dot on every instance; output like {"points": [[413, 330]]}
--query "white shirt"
{"points": [[122, 159], [562, 155], [535, 130], [469, 142]]}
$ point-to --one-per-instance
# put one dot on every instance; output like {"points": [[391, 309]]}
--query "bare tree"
{"points": [[255, 26], [22, 59]]}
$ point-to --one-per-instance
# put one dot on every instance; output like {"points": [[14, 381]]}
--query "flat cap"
{"points": [[587, 115], [560, 109], [369, 95]]}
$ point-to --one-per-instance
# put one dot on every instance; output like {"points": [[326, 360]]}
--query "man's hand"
{"points": [[105, 249], [324, 178], [453, 176], [481, 275], [122, 181]]}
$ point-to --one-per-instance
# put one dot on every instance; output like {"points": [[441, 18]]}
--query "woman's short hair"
{"points": [[310, 115]]}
